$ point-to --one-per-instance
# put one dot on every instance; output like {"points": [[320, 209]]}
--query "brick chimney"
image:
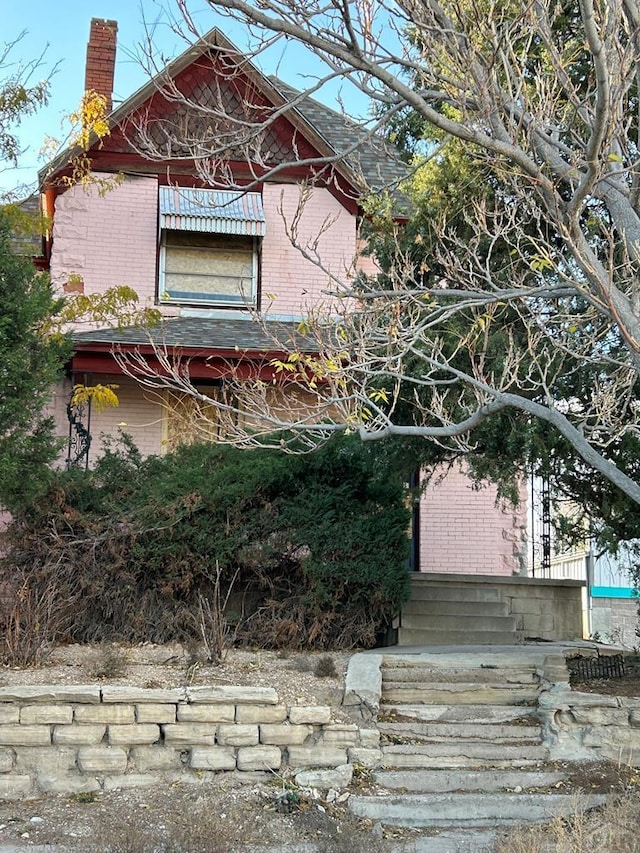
{"points": [[101, 58]]}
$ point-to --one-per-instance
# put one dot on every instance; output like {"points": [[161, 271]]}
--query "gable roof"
{"points": [[370, 163]]}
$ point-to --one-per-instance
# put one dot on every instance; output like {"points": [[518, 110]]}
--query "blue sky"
{"points": [[61, 30]]}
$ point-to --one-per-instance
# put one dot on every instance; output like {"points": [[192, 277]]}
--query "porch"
{"points": [[462, 609]]}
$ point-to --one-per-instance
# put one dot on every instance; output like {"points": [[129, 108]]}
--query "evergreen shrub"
{"points": [[317, 544]]}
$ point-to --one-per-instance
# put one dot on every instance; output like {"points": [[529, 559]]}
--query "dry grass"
{"points": [[187, 836], [111, 662], [613, 828], [326, 668], [201, 829]]}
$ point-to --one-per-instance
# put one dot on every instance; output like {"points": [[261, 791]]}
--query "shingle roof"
{"points": [[210, 334], [377, 163], [26, 241]]}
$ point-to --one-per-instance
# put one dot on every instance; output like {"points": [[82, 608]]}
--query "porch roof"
{"points": [[200, 333]]}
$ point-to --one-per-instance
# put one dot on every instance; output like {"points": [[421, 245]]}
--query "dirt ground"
{"points": [[300, 678], [232, 815], [628, 685]]}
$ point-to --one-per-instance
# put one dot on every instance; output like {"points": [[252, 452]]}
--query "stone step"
{"points": [[452, 592], [441, 781], [448, 623], [427, 673], [469, 754], [409, 693], [453, 606], [434, 810], [443, 732], [458, 840], [446, 841], [461, 840], [459, 713], [460, 637]]}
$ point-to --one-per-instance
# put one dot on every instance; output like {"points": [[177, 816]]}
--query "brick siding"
{"points": [[109, 240], [462, 529], [297, 283]]}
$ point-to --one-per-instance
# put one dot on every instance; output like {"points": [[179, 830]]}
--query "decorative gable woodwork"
{"points": [[203, 114]]}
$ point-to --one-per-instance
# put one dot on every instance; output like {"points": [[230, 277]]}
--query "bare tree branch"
{"points": [[546, 96]]}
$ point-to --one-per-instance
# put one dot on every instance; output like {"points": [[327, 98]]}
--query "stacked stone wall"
{"points": [[591, 726], [76, 739]]}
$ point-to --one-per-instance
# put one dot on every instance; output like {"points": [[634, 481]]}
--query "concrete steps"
{"points": [[460, 713], [420, 732], [470, 754], [481, 623], [412, 682], [443, 607], [452, 841], [454, 715], [463, 752], [455, 637], [458, 694], [443, 781], [483, 674], [455, 613], [479, 810], [423, 589]]}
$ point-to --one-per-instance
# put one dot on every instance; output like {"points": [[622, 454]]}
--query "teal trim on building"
{"points": [[612, 592]]}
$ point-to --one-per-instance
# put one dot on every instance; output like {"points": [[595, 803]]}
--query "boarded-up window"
{"points": [[209, 249], [209, 268], [189, 420]]}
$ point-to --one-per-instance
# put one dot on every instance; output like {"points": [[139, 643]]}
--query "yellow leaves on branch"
{"points": [[100, 396], [362, 415], [90, 119], [358, 418], [542, 263], [116, 306], [316, 370], [312, 369], [378, 395], [91, 124]]}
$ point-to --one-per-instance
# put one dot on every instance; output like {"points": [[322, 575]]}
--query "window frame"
{"points": [[243, 301]]}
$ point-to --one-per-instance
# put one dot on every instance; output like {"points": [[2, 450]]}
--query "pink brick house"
{"points": [[209, 257]]}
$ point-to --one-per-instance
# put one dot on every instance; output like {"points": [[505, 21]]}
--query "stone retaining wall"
{"points": [[58, 739], [591, 726]]}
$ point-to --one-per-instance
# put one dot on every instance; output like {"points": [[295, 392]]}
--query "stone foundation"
{"points": [[615, 620]]}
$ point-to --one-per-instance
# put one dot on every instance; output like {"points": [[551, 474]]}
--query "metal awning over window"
{"points": [[212, 211]]}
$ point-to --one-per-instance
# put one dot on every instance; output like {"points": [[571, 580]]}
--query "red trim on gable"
{"points": [[218, 71]]}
